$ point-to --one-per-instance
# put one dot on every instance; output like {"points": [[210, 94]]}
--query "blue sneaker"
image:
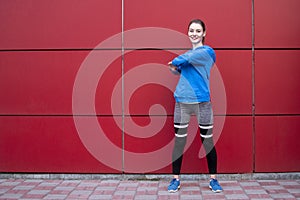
{"points": [[174, 185], [215, 186]]}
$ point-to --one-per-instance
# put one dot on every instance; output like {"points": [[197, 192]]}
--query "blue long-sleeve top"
{"points": [[194, 67]]}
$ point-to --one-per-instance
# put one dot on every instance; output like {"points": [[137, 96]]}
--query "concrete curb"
{"points": [[154, 177]]}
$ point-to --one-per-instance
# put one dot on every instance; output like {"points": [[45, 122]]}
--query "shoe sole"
{"points": [[173, 191], [215, 191]]}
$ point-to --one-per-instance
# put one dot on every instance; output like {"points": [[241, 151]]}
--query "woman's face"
{"points": [[196, 33]]}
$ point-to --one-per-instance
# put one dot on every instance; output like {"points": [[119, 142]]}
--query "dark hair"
{"points": [[198, 21]]}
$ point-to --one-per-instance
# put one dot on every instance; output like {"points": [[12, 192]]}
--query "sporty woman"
{"points": [[192, 95]]}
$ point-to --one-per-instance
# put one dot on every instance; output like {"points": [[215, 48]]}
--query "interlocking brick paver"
{"points": [[99, 197], [24, 187], [3, 190], [259, 197], [55, 196], [146, 190], [249, 183], [72, 183], [33, 196], [258, 191], [10, 183], [67, 188], [282, 196], [145, 197], [38, 192], [11, 196]]}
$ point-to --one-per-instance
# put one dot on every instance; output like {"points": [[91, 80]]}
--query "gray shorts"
{"points": [[203, 111]]}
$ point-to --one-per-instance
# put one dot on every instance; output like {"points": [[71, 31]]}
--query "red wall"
{"points": [[82, 81]]}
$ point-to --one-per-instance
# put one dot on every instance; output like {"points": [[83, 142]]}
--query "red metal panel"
{"points": [[149, 144], [228, 22], [235, 67], [38, 82], [235, 145], [277, 146], [51, 144], [277, 82], [106, 69], [44, 82], [148, 82], [35, 24], [277, 23]]}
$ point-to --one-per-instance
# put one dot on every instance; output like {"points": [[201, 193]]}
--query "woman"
{"points": [[192, 95]]}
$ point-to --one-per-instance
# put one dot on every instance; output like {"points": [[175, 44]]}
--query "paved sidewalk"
{"points": [[145, 190]]}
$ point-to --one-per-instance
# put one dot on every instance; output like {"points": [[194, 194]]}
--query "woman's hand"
{"points": [[172, 67]]}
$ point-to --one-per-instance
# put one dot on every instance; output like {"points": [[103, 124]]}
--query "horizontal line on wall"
{"points": [[277, 48], [57, 115], [141, 49], [98, 115], [140, 115], [82, 49], [276, 115], [110, 49]]}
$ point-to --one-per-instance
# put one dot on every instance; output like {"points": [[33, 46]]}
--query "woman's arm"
{"points": [[175, 70]]}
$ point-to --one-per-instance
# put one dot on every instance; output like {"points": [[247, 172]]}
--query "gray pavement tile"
{"points": [[100, 197], [65, 188], [81, 192], [190, 197], [236, 196], [145, 197], [24, 187], [125, 192], [10, 183], [10, 196], [3, 190], [282, 196], [249, 183], [55, 196], [105, 188], [256, 192], [39, 192]]}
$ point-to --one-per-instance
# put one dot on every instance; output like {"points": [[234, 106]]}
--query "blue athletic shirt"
{"points": [[194, 67]]}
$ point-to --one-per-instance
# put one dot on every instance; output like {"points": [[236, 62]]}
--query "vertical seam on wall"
{"points": [[253, 85], [122, 75]]}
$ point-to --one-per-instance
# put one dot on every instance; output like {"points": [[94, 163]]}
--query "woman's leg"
{"points": [[205, 119], [211, 153], [181, 122], [180, 141], [182, 115]]}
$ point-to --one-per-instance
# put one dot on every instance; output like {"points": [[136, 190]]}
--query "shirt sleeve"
{"points": [[198, 57], [180, 60]]}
